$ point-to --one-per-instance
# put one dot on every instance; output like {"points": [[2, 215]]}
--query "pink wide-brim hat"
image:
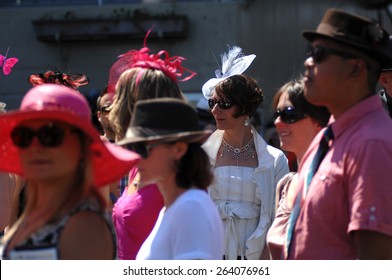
{"points": [[59, 103]]}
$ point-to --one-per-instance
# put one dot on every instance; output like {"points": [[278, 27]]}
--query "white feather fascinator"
{"points": [[234, 62]]}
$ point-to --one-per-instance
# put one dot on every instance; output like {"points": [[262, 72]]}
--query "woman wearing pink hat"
{"points": [[7, 182], [139, 75], [51, 142]]}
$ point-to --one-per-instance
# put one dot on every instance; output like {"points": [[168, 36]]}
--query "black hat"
{"points": [[354, 31], [388, 66], [168, 119]]}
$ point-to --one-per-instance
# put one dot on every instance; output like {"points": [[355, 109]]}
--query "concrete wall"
{"points": [[269, 29]]}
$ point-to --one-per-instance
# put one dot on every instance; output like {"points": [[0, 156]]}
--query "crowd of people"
{"points": [[162, 180]]}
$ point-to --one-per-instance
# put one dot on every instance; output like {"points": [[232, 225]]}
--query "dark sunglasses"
{"points": [[289, 115], [144, 148], [224, 103], [105, 109], [320, 53], [50, 135]]}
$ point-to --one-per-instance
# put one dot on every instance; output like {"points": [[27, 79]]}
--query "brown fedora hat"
{"points": [[164, 119], [354, 31]]}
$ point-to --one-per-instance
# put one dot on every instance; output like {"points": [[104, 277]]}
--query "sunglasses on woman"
{"points": [[224, 103], [289, 115], [144, 148], [49, 135], [320, 53], [105, 109]]}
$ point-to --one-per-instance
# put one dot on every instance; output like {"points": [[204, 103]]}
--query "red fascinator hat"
{"points": [[73, 81], [143, 58], [63, 104]]}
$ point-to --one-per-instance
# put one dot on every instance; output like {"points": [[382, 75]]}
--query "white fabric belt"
{"points": [[231, 211]]}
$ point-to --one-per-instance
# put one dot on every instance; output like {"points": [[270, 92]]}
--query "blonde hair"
{"points": [[138, 84]]}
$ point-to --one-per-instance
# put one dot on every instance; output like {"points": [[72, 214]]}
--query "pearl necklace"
{"points": [[244, 153]]}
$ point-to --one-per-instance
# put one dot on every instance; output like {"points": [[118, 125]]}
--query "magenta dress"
{"points": [[134, 217]]}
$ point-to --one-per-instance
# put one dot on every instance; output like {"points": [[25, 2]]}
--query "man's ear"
{"points": [[357, 67], [383, 80]]}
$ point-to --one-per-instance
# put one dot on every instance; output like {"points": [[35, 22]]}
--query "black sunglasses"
{"points": [[144, 148], [224, 103], [289, 115], [50, 135], [320, 53], [105, 109]]}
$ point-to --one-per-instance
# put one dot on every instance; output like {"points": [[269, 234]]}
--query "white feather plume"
{"points": [[229, 59], [234, 62]]}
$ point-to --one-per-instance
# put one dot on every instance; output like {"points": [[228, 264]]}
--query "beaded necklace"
{"points": [[244, 153]]}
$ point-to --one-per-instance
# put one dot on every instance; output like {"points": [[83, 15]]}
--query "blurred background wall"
{"points": [[271, 29]]}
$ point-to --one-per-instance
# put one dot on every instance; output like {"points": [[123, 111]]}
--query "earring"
{"points": [[247, 122]]}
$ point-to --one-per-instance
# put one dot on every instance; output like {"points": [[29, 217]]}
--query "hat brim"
{"points": [[209, 86], [134, 136], [110, 163], [313, 35]]}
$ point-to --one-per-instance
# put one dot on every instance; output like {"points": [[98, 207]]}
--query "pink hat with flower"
{"points": [[63, 104], [171, 66]]}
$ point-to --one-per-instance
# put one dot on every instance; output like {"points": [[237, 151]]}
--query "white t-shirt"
{"points": [[190, 228]]}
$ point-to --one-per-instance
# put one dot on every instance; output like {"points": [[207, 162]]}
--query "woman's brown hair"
{"points": [[138, 84], [244, 91]]}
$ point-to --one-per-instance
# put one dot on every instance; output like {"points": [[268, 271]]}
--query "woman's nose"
{"points": [[278, 122], [215, 108]]}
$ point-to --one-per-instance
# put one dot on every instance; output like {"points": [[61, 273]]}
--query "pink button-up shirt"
{"points": [[352, 189]]}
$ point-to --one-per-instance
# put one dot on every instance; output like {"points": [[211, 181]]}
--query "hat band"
{"points": [[149, 132]]}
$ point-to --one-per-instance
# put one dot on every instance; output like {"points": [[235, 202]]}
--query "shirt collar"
{"points": [[355, 114]]}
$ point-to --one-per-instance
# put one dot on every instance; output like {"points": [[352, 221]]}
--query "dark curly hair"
{"points": [[244, 91]]}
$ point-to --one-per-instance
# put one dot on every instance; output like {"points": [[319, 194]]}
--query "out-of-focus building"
{"points": [[86, 36]]}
